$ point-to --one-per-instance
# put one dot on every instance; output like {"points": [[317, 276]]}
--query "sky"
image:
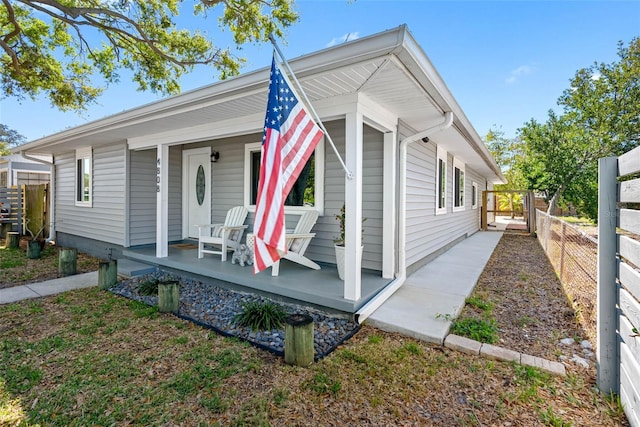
{"points": [[505, 62]]}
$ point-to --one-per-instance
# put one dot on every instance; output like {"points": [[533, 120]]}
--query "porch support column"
{"points": [[389, 173], [353, 207], [162, 201]]}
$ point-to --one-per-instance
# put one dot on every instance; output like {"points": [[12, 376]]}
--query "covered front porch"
{"points": [[321, 288]]}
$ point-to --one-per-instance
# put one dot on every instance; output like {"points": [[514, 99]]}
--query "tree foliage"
{"points": [[508, 153], [9, 138], [600, 117], [58, 47]]}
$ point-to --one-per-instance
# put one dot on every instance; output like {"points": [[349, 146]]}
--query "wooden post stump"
{"points": [[298, 340], [169, 297], [13, 239], [107, 274], [67, 262]]}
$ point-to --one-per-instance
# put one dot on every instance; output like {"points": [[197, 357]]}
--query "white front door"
{"points": [[196, 190]]}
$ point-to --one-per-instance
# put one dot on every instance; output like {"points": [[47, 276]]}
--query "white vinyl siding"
{"points": [[426, 232], [142, 203], [105, 219]]}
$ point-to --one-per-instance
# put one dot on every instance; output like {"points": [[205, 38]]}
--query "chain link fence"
{"points": [[574, 256]]}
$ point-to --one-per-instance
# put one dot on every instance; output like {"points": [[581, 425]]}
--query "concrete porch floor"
{"points": [[315, 287]]}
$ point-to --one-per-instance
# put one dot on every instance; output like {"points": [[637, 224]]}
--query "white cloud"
{"points": [[596, 76], [522, 70], [344, 38]]}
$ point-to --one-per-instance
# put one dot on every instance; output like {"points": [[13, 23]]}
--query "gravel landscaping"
{"points": [[215, 308]]}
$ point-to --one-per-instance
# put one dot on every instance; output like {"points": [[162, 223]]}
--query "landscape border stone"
{"points": [[469, 346]]}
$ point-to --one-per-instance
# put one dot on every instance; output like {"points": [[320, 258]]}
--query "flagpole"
{"points": [[309, 106]]}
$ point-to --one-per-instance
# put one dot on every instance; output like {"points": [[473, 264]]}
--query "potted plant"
{"points": [[339, 243], [36, 243]]}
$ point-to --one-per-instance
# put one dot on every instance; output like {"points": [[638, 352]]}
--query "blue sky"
{"points": [[504, 61]]}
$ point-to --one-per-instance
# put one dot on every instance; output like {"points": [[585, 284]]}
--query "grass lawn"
{"points": [[17, 269], [90, 358]]}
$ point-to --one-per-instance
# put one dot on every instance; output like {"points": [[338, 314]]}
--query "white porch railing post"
{"points": [[389, 252], [607, 347], [353, 207], [162, 201]]}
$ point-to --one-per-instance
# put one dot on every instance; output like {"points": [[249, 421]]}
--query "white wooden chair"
{"points": [[227, 235], [298, 241]]}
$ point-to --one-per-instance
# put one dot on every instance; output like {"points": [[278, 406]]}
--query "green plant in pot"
{"points": [[36, 243], [339, 242]]}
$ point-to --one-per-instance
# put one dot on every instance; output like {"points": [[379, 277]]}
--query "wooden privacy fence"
{"points": [[510, 203], [619, 280], [25, 201], [13, 201]]}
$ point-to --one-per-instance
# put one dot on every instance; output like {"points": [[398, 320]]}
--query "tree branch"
{"points": [[16, 30], [140, 36]]}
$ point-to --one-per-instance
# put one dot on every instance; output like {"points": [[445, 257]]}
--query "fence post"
{"points": [[562, 251], [607, 348]]}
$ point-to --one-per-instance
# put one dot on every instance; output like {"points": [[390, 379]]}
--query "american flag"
{"points": [[290, 136]]}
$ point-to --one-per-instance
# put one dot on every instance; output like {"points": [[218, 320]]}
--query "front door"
{"points": [[196, 190]]}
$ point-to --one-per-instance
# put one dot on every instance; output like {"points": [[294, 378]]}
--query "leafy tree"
{"points": [[601, 117], [508, 153], [57, 47], [9, 138]]}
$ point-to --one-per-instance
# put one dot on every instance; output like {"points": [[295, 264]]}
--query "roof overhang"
{"points": [[388, 69]]}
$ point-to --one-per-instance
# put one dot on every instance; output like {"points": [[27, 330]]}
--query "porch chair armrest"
{"points": [[215, 229], [300, 236]]}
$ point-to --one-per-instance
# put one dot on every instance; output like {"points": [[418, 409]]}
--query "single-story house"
{"points": [[15, 170], [129, 185]]}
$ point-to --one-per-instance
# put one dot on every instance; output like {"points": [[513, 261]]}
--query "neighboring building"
{"points": [[15, 170], [126, 183]]}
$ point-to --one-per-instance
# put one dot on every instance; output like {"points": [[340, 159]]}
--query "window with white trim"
{"points": [[458, 185], [84, 176], [307, 192], [474, 195], [3, 179], [441, 181]]}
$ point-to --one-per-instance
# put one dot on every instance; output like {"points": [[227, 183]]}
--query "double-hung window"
{"points": [[474, 195], [306, 193], [458, 185], [441, 181], [84, 176]]}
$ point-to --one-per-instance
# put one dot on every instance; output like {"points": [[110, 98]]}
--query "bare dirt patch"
{"points": [[16, 269], [531, 309]]}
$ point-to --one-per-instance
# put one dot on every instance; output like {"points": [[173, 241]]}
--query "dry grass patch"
{"points": [[16, 269], [91, 358]]}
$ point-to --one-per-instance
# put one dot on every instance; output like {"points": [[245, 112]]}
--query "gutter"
{"points": [[52, 186], [371, 306]]}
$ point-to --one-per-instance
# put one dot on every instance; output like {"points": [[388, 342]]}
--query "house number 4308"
{"points": [[158, 176]]}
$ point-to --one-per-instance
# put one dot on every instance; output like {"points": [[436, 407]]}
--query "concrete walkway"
{"points": [[431, 296], [49, 287]]}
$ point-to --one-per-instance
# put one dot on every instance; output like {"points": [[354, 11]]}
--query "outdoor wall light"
{"points": [[425, 139], [214, 156]]}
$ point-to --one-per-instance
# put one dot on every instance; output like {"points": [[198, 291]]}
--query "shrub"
{"points": [[150, 287], [261, 316]]}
